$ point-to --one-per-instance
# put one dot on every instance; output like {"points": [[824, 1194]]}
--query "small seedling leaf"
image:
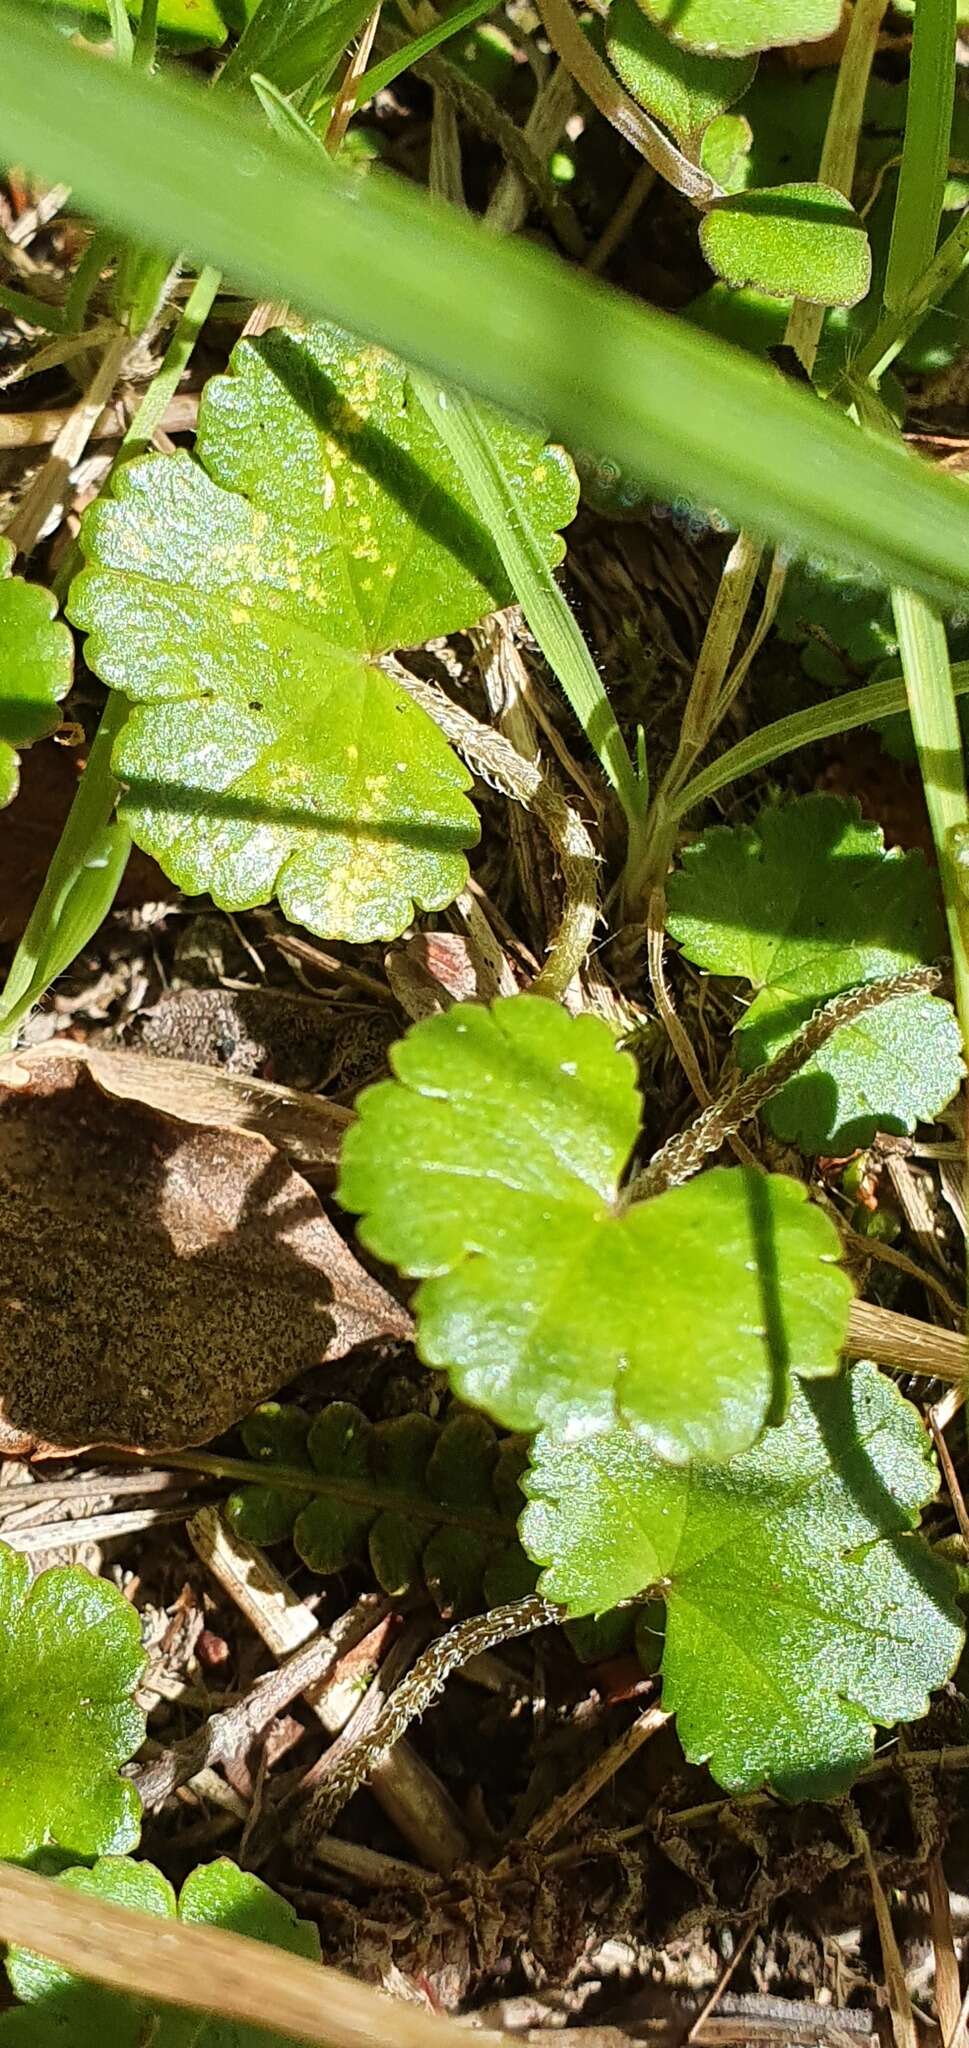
{"points": [[683, 90], [490, 1170], [56, 2006], [243, 606], [71, 1660], [790, 241], [800, 1607], [36, 666], [733, 28], [804, 904], [434, 1504]]}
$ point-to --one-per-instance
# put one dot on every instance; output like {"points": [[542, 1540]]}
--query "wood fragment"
{"points": [[211, 1971]]}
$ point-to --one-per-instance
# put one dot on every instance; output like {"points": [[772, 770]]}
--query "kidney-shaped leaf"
{"points": [[790, 241], [682, 89], [735, 27], [159, 1278], [71, 1658], [800, 1608], [804, 904], [490, 1168], [57, 2006], [36, 665], [241, 606]]}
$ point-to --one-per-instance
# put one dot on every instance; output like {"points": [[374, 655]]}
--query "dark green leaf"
{"points": [[683, 90], [37, 666]]}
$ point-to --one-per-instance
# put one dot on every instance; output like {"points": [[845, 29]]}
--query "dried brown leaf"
{"points": [[157, 1278]]}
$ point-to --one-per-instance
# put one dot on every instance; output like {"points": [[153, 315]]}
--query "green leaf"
{"points": [[683, 90], [71, 1660], [198, 22], [804, 904], [490, 1169], [38, 663], [506, 321], [800, 1608], [56, 2006], [790, 241], [434, 1504], [735, 27], [291, 41], [242, 605]]}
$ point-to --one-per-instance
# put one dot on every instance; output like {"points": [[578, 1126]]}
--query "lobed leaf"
{"points": [[57, 2006], [804, 904], [71, 1660], [735, 27], [680, 88], [801, 1610], [432, 1504], [800, 241], [242, 605], [490, 1170], [37, 667]]}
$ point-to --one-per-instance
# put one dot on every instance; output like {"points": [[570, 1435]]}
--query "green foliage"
{"points": [[71, 1660], [680, 88], [735, 27], [800, 1608], [802, 905], [790, 241], [201, 22], [242, 605], [432, 1505], [56, 2006], [510, 324], [38, 663], [490, 1169]]}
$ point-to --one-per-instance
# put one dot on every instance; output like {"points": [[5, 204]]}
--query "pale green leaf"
{"points": [[800, 1608], [790, 241], [182, 21], [70, 1663], [490, 1169], [683, 90], [734, 27], [804, 904], [36, 665], [58, 2007], [242, 607]]}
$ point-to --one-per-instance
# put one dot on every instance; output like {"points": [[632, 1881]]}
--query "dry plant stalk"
{"points": [[214, 1972]]}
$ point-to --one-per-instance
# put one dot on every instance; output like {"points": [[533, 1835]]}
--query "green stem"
{"points": [[928, 290]]}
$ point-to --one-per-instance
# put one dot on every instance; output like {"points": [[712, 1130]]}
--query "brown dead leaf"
{"points": [[157, 1278]]}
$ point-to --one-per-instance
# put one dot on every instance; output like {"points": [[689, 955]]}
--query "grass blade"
{"points": [[699, 420]]}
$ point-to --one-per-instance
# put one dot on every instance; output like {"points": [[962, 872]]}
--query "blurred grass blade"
{"points": [[80, 884], [699, 421]]}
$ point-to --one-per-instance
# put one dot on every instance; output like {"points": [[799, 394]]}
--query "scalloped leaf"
{"points": [[801, 1610], [242, 606], [72, 1658], [790, 241], [683, 90], [37, 667], [804, 904], [490, 1169], [56, 2006], [734, 27]]}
